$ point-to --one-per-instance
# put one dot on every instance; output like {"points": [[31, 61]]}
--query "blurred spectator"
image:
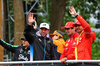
{"points": [[58, 42], [21, 53]]}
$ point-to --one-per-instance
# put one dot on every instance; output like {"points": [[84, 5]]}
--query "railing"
{"points": [[53, 63]]}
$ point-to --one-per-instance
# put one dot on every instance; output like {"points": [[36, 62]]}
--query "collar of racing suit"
{"points": [[75, 35]]}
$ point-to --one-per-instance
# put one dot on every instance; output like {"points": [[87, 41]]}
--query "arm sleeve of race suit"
{"points": [[8, 46], [29, 33], [85, 25], [71, 56]]}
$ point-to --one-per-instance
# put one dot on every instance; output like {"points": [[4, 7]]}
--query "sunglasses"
{"points": [[77, 25], [68, 28]]}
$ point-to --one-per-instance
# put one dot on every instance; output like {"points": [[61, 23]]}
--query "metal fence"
{"points": [[52, 63]]}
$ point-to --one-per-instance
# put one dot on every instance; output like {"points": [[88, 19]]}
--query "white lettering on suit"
{"points": [[28, 52], [21, 51], [80, 39], [22, 57]]}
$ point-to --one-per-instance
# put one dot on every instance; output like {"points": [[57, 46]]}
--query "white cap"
{"points": [[44, 25]]}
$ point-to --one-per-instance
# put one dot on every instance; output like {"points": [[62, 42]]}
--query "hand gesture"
{"points": [[55, 37], [64, 60], [30, 18], [72, 11], [35, 26]]}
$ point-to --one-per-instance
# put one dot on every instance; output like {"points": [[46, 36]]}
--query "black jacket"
{"points": [[20, 53], [43, 47]]}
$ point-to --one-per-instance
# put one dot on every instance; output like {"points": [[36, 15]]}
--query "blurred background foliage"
{"points": [[96, 47]]}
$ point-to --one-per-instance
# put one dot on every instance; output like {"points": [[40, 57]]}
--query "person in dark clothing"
{"points": [[21, 53], [42, 43]]}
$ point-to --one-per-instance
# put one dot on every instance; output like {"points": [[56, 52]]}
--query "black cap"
{"points": [[23, 38], [60, 32]]}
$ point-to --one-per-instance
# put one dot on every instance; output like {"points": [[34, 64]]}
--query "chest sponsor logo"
{"points": [[49, 42], [21, 57], [76, 38], [80, 39], [68, 40], [66, 44], [74, 43], [28, 51], [21, 50], [66, 48], [40, 40]]}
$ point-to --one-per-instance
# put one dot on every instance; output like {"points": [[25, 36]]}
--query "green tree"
{"points": [[96, 47], [85, 8]]}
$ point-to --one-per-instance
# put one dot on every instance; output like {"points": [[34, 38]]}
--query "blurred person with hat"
{"points": [[21, 53], [25, 42], [70, 43], [58, 42], [85, 39], [42, 43]]}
